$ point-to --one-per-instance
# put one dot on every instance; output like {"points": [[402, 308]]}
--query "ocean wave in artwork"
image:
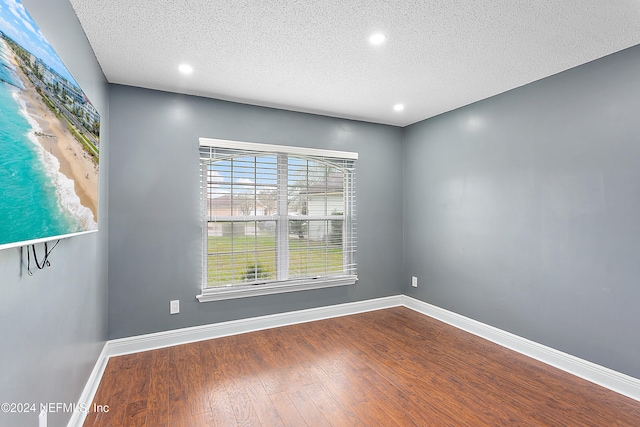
{"points": [[68, 200]]}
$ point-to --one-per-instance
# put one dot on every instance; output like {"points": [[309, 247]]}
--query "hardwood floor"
{"points": [[392, 367]]}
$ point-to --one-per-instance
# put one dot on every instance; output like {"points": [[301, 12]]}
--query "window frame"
{"points": [[277, 286]]}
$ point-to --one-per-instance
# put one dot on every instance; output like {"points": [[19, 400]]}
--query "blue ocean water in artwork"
{"points": [[29, 204]]}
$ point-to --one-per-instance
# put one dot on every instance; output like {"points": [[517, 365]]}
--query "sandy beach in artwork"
{"points": [[55, 138]]}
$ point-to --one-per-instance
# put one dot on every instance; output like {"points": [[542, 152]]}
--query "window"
{"points": [[276, 219]]}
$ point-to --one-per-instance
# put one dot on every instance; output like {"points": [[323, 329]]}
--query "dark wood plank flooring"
{"points": [[392, 367]]}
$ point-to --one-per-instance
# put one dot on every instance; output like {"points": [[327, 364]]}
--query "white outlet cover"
{"points": [[414, 281], [175, 307]]}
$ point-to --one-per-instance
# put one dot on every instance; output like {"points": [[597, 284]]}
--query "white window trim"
{"points": [[240, 291], [301, 151], [245, 291]]}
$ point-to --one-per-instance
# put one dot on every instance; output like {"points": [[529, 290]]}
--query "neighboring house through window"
{"points": [[276, 218]]}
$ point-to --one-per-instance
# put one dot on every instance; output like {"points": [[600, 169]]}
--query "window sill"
{"points": [[232, 292]]}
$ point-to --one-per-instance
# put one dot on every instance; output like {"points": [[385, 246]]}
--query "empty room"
{"points": [[336, 213]]}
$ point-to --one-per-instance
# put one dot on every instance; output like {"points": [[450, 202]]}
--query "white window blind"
{"points": [[276, 218]]}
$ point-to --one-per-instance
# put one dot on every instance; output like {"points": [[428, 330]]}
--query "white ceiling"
{"points": [[314, 55]]}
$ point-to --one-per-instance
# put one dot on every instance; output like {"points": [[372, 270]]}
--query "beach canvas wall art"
{"points": [[49, 139]]}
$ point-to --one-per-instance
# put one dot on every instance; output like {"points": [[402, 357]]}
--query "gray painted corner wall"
{"points": [[521, 211], [54, 324], [518, 211], [154, 205]]}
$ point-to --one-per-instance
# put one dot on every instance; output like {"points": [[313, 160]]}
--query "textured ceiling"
{"points": [[314, 56]]}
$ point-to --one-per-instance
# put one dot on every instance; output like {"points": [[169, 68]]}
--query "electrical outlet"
{"points": [[42, 418], [414, 281], [174, 306]]}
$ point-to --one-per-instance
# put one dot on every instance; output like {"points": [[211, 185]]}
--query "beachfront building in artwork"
{"points": [[67, 98], [56, 87]]}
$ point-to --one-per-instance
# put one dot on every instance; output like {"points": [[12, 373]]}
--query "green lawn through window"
{"points": [[237, 261]]}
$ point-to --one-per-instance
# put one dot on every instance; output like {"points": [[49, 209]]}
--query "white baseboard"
{"points": [[597, 374], [605, 377], [233, 327], [89, 391]]}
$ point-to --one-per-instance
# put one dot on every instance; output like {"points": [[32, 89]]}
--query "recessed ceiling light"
{"points": [[185, 69], [377, 38], [398, 107]]}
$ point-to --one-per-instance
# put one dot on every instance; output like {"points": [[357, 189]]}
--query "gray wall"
{"points": [[155, 229], [518, 211], [521, 211], [53, 324]]}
